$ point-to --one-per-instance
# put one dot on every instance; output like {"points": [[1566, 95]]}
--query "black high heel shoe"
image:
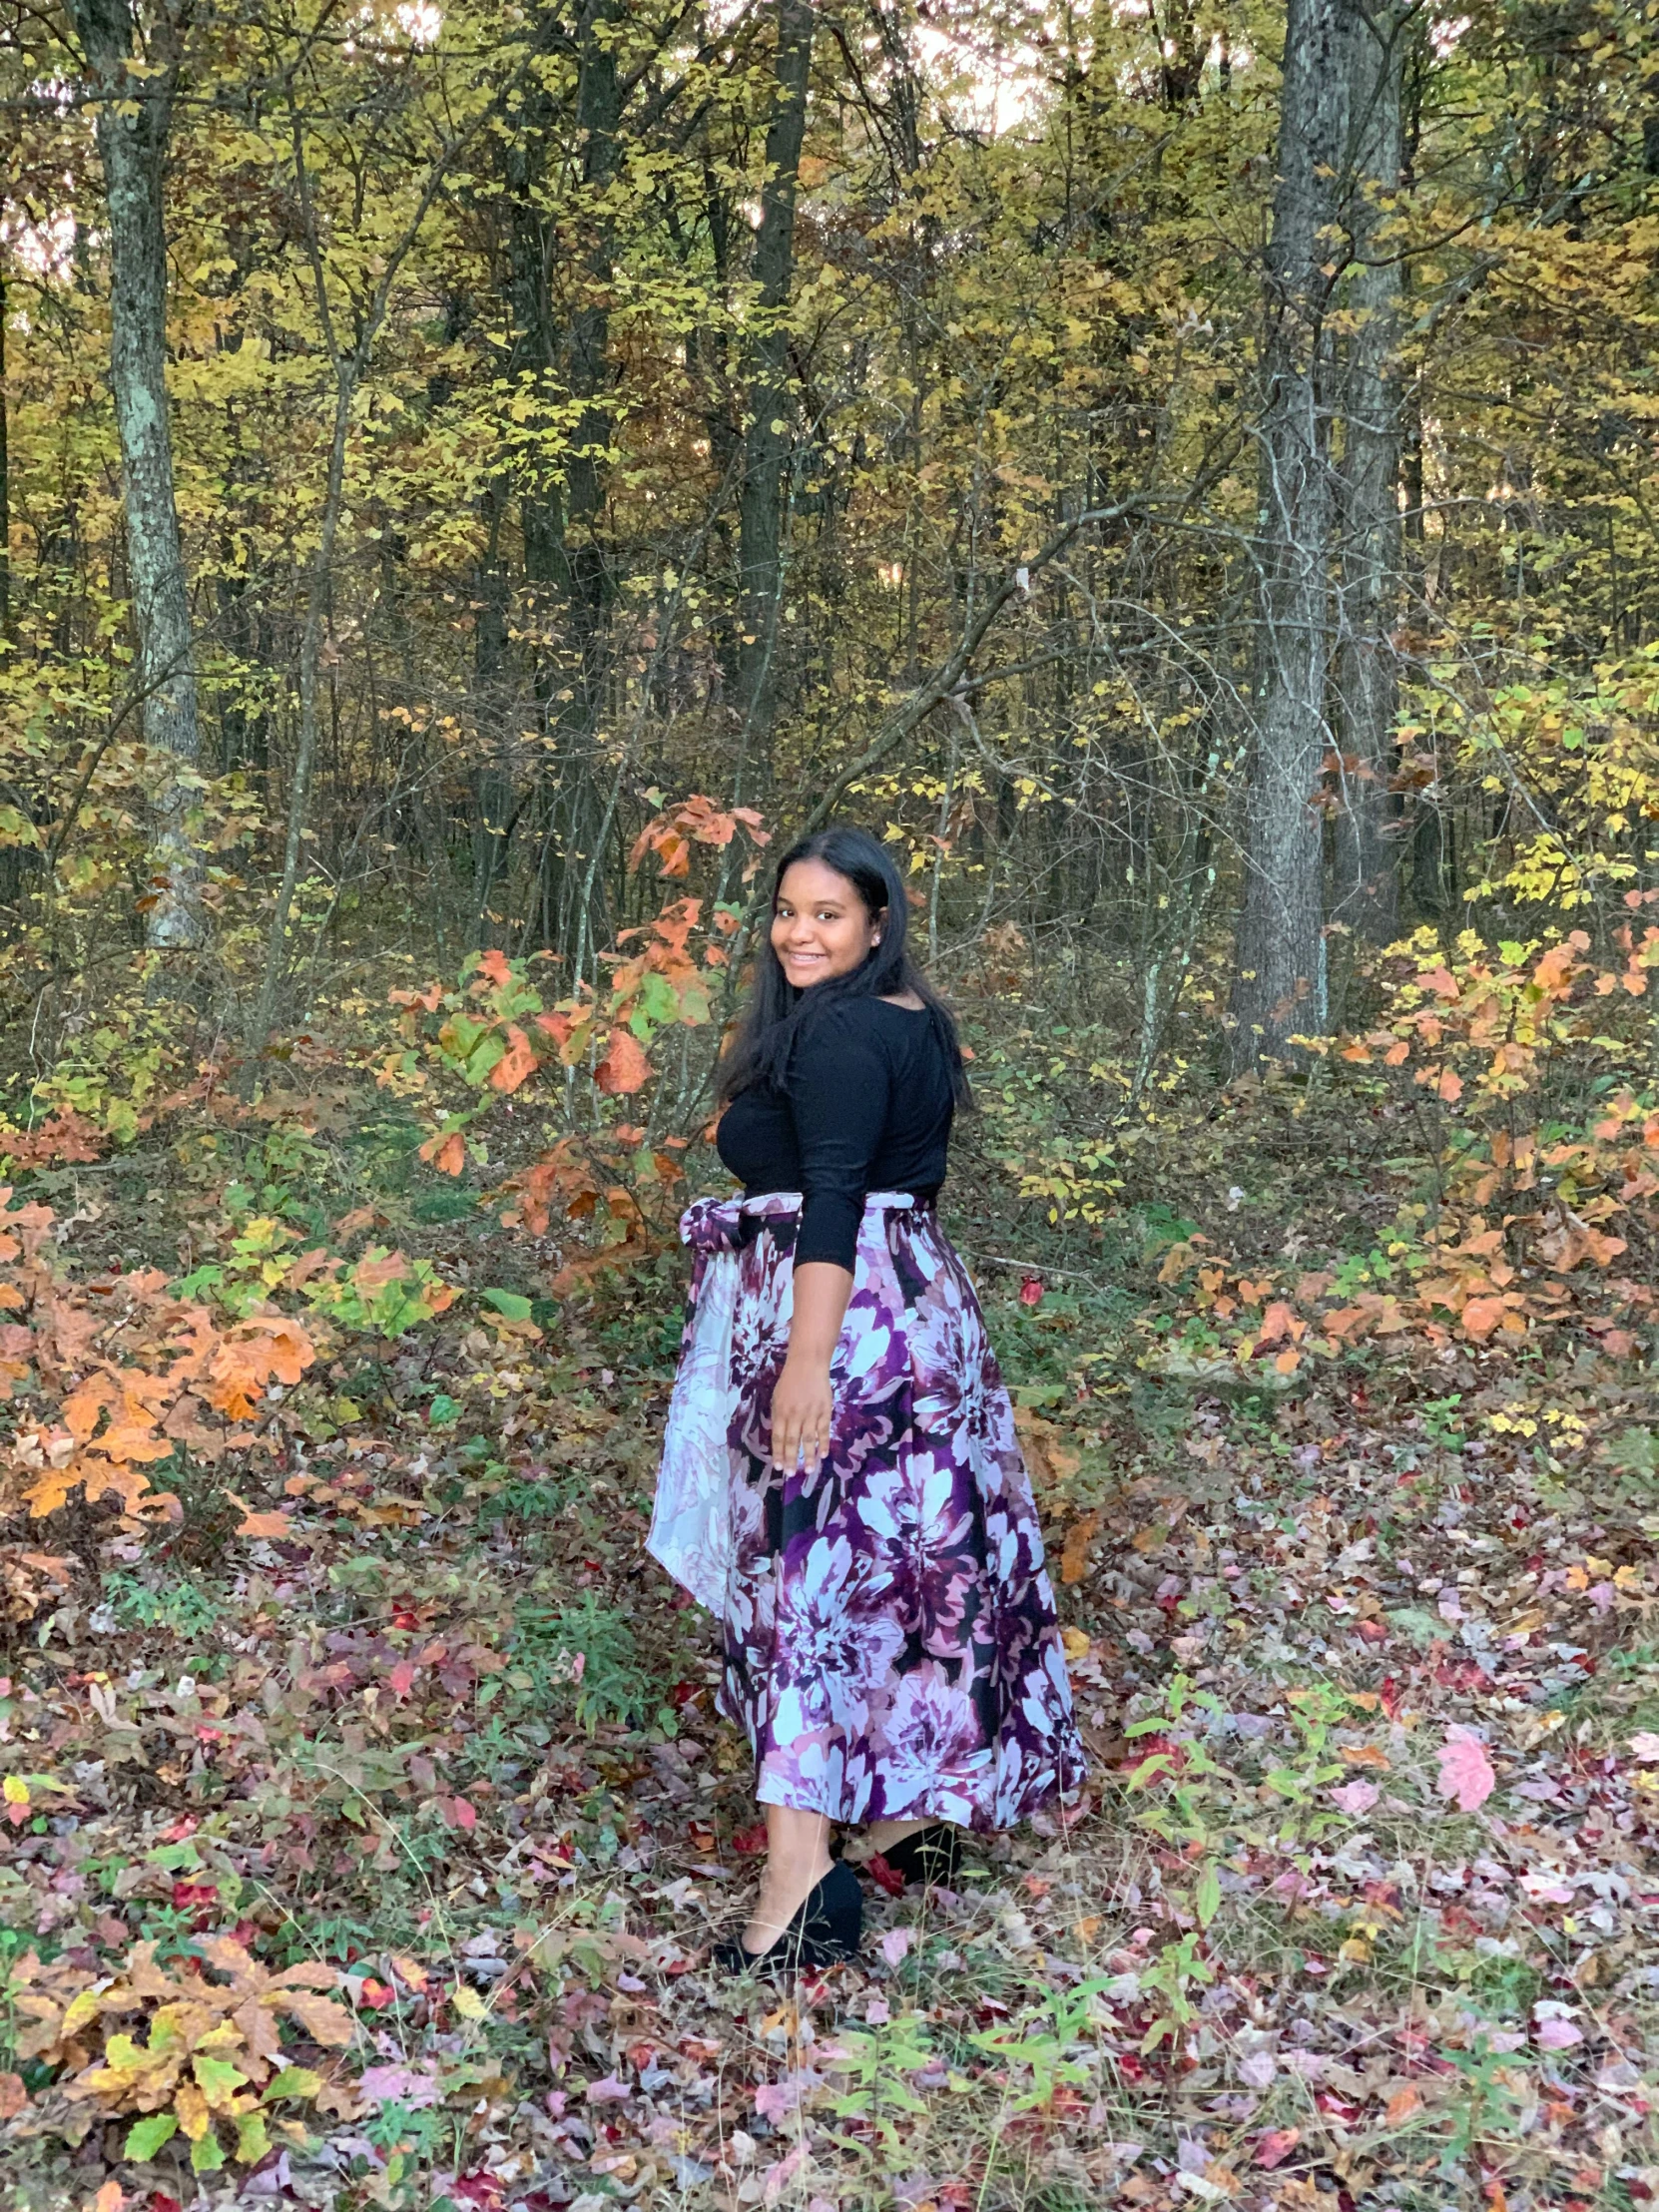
{"points": [[825, 1930], [932, 1854]]}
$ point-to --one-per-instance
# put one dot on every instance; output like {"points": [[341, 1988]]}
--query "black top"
{"points": [[866, 1106]]}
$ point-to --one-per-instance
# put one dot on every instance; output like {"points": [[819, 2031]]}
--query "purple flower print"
{"points": [[889, 1632]]}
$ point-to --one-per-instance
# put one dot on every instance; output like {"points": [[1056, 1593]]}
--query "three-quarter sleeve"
{"points": [[839, 1086]]}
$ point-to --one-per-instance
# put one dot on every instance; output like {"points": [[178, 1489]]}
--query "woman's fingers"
{"points": [[785, 1432], [800, 1426]]}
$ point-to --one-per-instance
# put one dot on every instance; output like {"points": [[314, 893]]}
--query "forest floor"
{"points": [[1359, 1906]]}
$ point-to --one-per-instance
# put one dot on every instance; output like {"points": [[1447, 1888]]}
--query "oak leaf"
{"points": [[516, 1064], [624, 1068], [445, 1152], [255, 1523]]}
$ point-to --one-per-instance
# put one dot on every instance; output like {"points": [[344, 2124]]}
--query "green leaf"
{"points": [[1416, 1622], [252, 2138], [218, 2079], [293, 2081], [509, 1302], [1209, 1896], [176, 1857], [146, 2137], [206, 2157], [659, 1002], [483, 1057]]}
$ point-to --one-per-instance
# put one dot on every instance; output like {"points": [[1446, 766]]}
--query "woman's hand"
{"points": [[802, 1402], [802, 1406]]}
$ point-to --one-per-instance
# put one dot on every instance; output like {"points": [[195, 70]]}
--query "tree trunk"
{"points": [[5, 477], [1278, 989], [133, 149], [563, 540], [767, 436], [1366, 894], [591, 583]]}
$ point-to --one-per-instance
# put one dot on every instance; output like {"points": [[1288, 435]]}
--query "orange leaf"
{"points": [[288, 1348], [624, 1068], [259, 1524], [133, 1441], [1074, 1553], [1451, 1086], [1277, 1321], [83, 1405], [51, 1489], [447, 1154], [1483, 1314], [374, 1274], [1402, 2104], [516, 1063], [323, 2020], [132, 1487]]}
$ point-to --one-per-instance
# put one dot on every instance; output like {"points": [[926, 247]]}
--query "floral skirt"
{"points": [[889, 1633]]}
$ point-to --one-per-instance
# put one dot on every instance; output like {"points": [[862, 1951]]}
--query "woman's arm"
{"points": [[802, 1402], [837, 1090]]}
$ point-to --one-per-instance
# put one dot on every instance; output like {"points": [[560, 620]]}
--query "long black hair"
{"points": [[778, 1011]]}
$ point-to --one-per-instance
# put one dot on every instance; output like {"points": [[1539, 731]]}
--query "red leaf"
{"points": [[1031, 1290], [402, 1678], [750, 1840], [463, 1813], [1276, 2145], [885, 1877]]}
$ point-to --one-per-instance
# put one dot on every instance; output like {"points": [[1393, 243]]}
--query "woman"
{"points": [[840, 1483]]}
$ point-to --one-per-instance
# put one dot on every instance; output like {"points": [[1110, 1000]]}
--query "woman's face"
{"points": [[821, 926]]}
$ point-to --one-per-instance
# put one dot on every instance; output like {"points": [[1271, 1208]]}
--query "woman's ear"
{"points": [[877, 923]]}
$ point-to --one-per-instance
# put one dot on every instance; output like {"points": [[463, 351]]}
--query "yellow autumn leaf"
{"points": [[192, 2108]]}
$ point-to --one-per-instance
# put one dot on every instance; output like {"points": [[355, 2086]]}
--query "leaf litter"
{"points": [[383, 1859]]}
